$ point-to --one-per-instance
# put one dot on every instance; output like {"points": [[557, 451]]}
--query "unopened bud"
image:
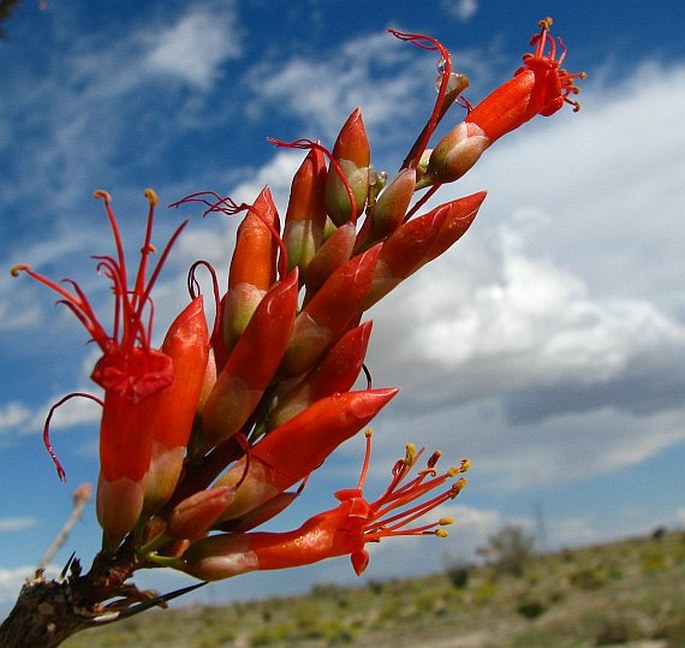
{"points": [[455, 154], [353, 155]]}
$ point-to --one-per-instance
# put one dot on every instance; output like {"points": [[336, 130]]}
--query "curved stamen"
{"points": [[446, 95], [194, 291], [46, 428], [307, 144], [226, 205], [197, 197], [77, 304]]}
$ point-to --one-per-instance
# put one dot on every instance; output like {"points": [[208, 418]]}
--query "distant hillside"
{"points": [[629, 593]]}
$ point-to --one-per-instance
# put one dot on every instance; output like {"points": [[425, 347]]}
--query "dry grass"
{"points": [[629, 593]]}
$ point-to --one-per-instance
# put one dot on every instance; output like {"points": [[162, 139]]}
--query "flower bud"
{"points": [[389, 211], [252, 363], [335, 252], [253, 266], [305, 218], [326, 317], [192, 517], [353, 154], [455, 154]]}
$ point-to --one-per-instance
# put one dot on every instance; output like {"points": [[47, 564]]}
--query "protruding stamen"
{"points": [[226, 205], [449, 90]]}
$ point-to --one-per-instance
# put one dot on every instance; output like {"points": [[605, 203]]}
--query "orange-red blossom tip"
{"points": [[541, 86]]}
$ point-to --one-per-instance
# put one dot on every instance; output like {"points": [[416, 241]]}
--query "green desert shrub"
{"points": [[509, 550], [531, 608]]}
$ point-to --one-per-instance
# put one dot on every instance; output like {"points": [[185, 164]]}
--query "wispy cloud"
{"points": [[72, 124], [17, 524], [383, 76], [12, 415], [463, 10], [195, 47]]}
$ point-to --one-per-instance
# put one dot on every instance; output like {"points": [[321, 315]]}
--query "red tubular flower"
{"points": [[326, 317], [305, 217], [289, 453], [129, 365], [353, 154], [187, 344], [252, 363], [539, 87], [253, 266], [419, 241], [132, 373], [341, 531]]}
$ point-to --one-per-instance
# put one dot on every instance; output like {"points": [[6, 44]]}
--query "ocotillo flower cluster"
{"points": [[211, 435]]}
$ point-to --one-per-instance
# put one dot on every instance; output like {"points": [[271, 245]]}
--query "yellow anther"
{"points": [[445, 521], [465, 465], [441, 533], [152, 197], [101, 193], [368, 433], [459, 485], [19, 267], [410, 456]]}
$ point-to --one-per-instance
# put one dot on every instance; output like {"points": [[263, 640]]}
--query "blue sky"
{"points": [[548, 346]]}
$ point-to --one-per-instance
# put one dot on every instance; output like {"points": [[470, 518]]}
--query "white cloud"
{"points": [[549, 337], [383, 76], [17, 524], [461, 9], [13, 415], [195, 47], [76, 411]]}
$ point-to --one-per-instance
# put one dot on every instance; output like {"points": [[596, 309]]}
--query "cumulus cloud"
{"points": [[194, 48], [550, 336]]}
